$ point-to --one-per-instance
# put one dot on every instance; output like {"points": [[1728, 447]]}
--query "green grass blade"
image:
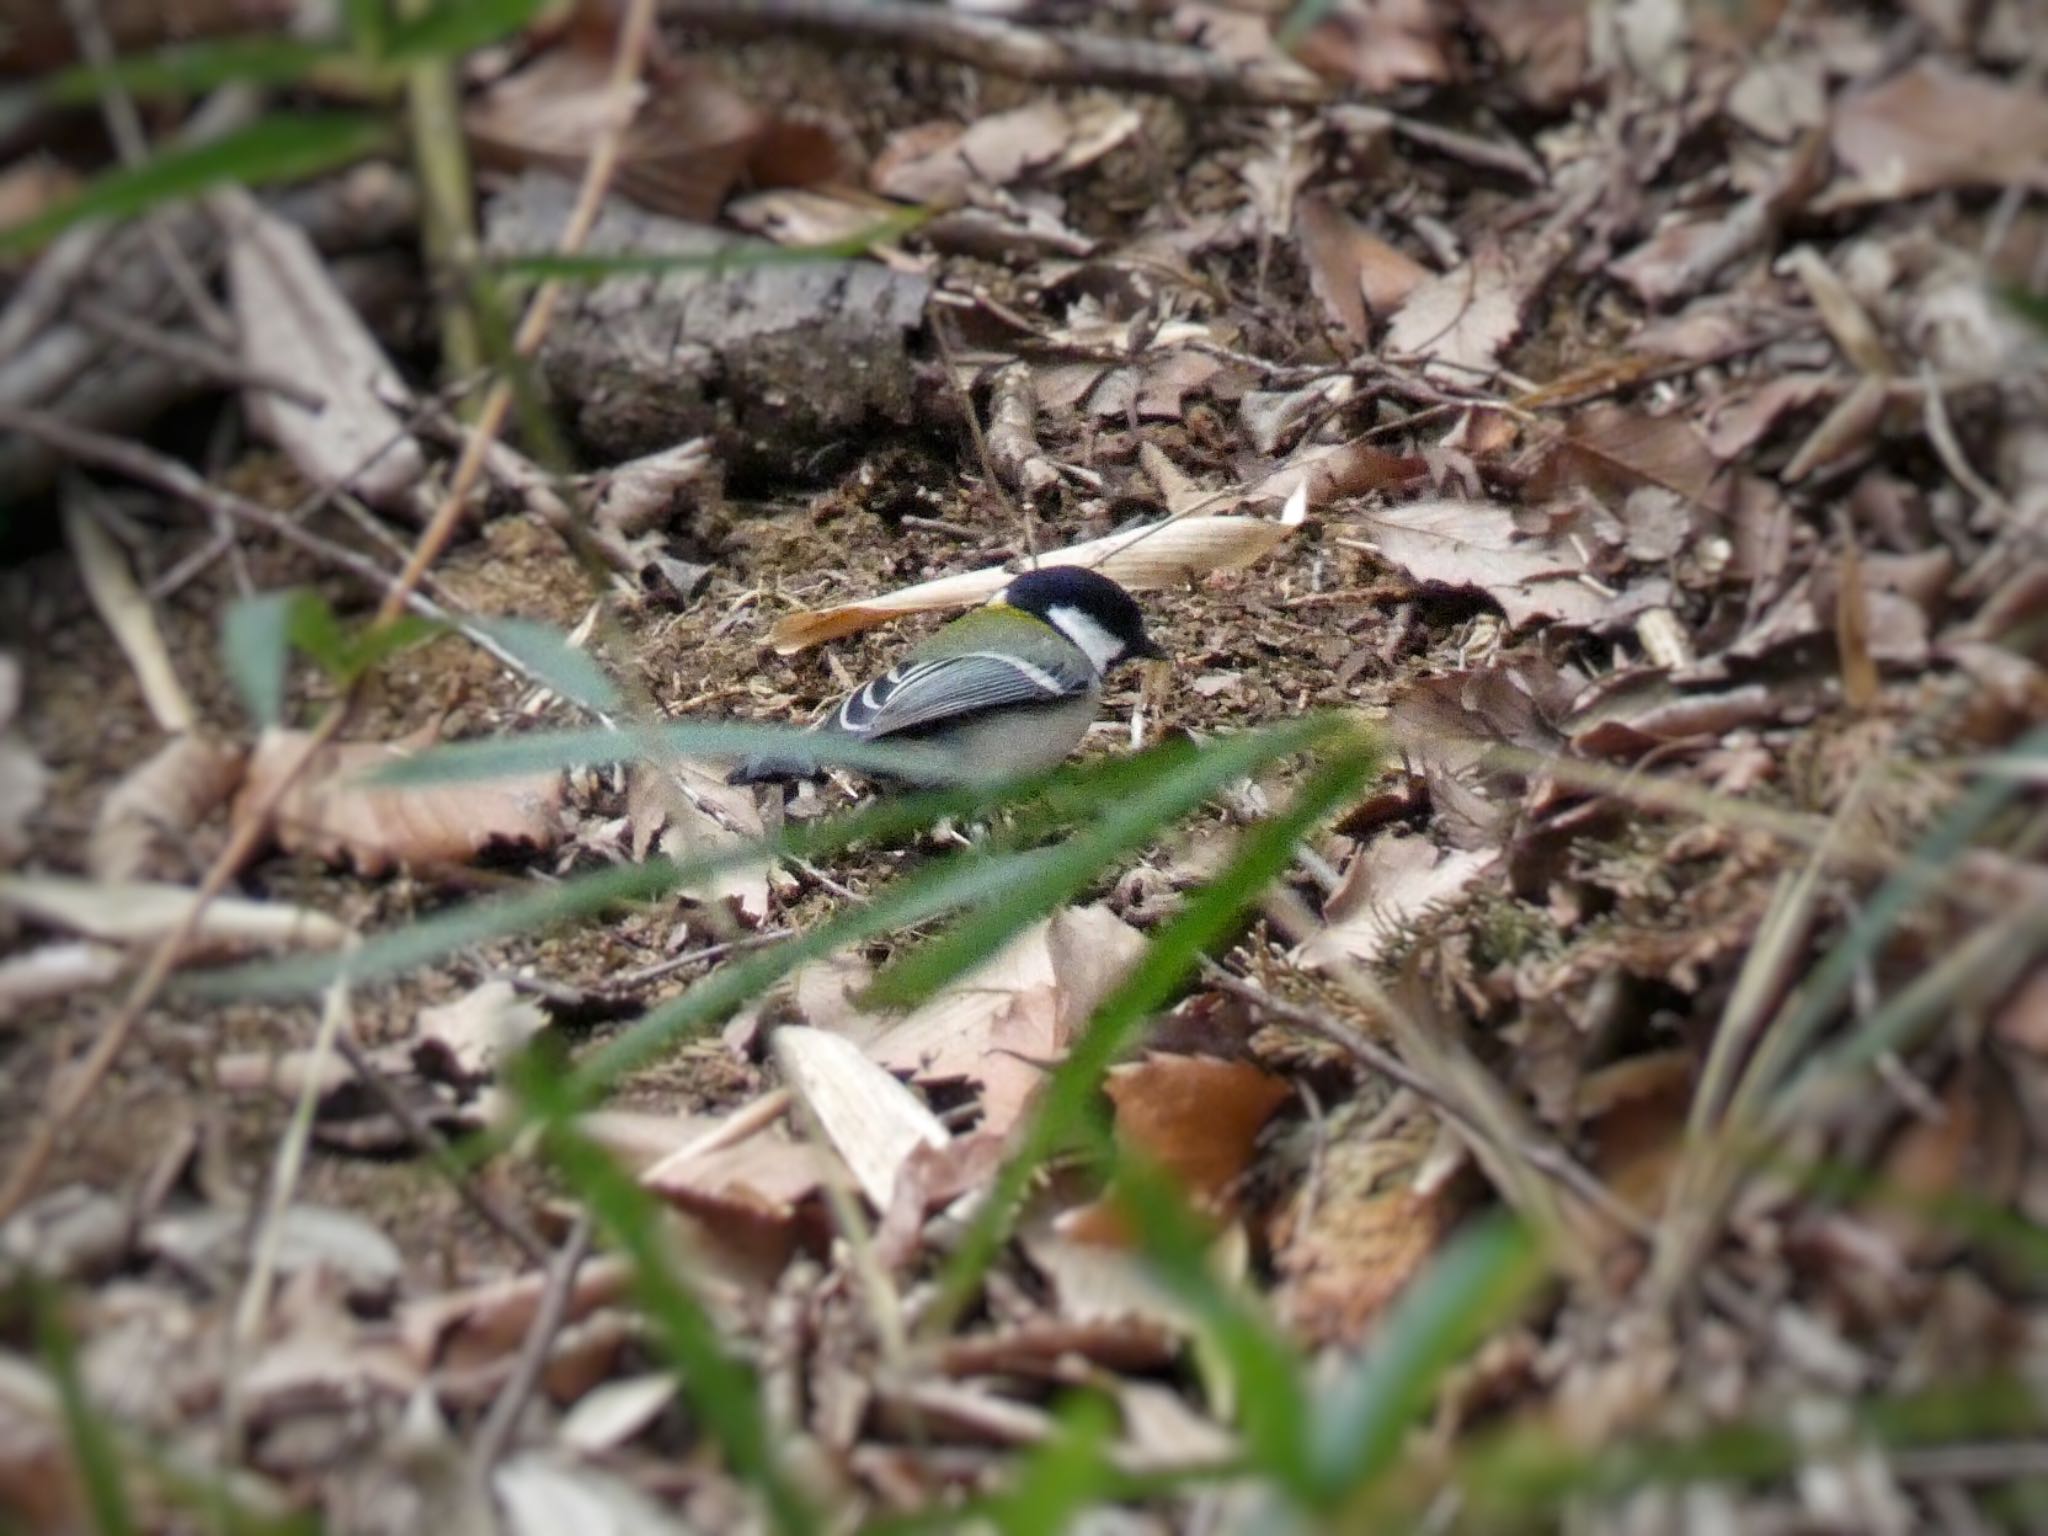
{"points": [[548, 751], [1359, 1427], [92, 1445], [723, 1390], [453, 27], [1262, 855], [945, 886], [1120, 825], [278, 148], [1064, 1476], [255, 650], [1070, 790], [193, 68], [569, 670]]}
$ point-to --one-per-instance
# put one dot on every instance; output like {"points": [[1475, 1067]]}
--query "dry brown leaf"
{"points": [[690, 142], [1476, 544], [1458, 322], [1615, 449], [1933, 126], [480, 1325], [1357, 275], [469, 1039], [143, 912], [333, 814], [1197, 1119], [872, 1121], [1636, 1111], [1394, 880], [295, 324], [1158, 555], [1861, 688], [1005, 1022], [1379, 45], [166, 795], [943, 163], [1737, 422], [1542, 43], [753, 1192], [1348, 1240]]}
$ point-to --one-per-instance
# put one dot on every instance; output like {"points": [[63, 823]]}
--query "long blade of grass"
{"points": [[1053, 798], [192, 68], [724, 1391], [1121, 825], [454, 27], [282, 147], [1357, 1429], [945, 886], [92, 1443], [548, 751], [1262, 856]]}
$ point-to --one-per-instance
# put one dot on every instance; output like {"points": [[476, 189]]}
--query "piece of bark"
{"points": [[1013, 451], [765, 360]]}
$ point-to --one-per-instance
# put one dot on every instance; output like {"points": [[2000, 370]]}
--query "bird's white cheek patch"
{"points": [[1101, 646]]}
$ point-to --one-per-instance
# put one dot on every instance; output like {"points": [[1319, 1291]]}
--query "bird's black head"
{"points": [[1088, 608]]}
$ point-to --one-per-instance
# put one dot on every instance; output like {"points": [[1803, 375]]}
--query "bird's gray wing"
{"points": [[924, 693]]}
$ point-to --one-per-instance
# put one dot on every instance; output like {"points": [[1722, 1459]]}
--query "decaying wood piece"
{"points": [[765, 360], [1013, 451]]}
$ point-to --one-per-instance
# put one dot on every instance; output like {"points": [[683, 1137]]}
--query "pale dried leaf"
{"points": [[705, 815], [23, 783], [1157, 555], [542, 1496], [944, 162], [479, 1032], [215, 1240], [144, 912], [296, 325], [614, 1412], [1392, 883], [166, 795], [1004, 1022], [1933, 126], [1458, 322], [331, 812], [126, 609], [871, 1120], [1477, 545], [56, 970]]}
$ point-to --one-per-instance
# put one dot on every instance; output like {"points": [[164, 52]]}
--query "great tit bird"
{"points": [[1008, 689]]}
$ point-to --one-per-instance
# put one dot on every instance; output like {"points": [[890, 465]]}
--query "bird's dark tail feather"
{"points": [[774, 770]]}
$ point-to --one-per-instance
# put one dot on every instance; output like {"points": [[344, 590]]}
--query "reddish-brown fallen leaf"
{"points": [[1933, 126], [1358, 277], [1542, 43], [1615, 449], [1348, 1241], [1194, 1117], [331, 813]]}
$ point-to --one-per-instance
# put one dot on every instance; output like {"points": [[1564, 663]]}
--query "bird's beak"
{"points": [[1150, 649]]}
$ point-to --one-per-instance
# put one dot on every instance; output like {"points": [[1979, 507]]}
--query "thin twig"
{"points": [[495, 1435], [431, 1142]]}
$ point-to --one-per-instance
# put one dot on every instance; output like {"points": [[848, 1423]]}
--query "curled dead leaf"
{"points": [[1394, 881], [332, 813], [166, 795]]}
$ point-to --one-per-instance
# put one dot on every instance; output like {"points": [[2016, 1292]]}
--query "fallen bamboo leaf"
{"points": [[124, 607], [1156, 555], [144, 912], [331, 813]]}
